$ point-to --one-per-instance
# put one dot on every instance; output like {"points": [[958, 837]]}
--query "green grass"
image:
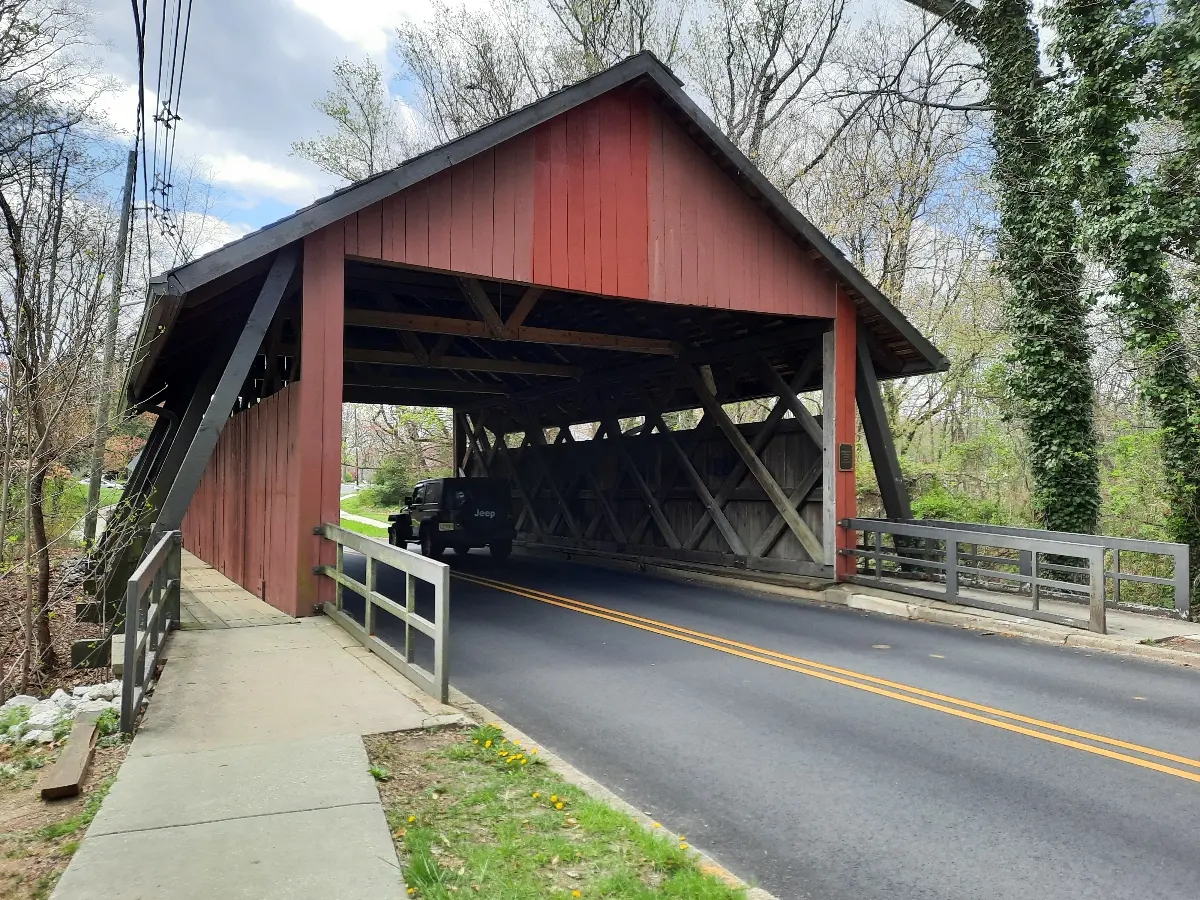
{"points": [[79, 822], [492, 822], [363, 528], [360, 505]]}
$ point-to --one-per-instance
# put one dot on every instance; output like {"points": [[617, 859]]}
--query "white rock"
{"points": [[46, 718], [91, 706], [38, 737], [80, 690], [15, 731], [19, 700], [60, 697], [104, 691]]}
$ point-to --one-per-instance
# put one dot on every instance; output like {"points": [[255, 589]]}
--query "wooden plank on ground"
{"points": [[65, 777]]}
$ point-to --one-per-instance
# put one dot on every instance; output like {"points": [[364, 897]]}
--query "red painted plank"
{"points": [[482, 212], [608, 160], [523, 216], [350, 230], [846, 428], [392, 228], [629, 245], [370, 231], [439, 195], [543, 188], [656, 236], [462, 190], [688, 239], [416, 225], [635, 280], [504, 211], [576, 202], [592, 212], [672, 241], [558, 202], [292, 474], [721, 241], [705, 272]]}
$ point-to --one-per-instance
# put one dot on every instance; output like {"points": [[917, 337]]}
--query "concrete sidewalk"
{"points": [[249, 778]]}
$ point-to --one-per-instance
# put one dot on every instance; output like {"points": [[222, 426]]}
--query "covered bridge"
{"points": [[602, 255]]}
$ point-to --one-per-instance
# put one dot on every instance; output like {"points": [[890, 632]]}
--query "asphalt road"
{"points": [[817, 782]]}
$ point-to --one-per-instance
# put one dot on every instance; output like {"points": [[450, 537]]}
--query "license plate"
{"points": [[445, 526]]}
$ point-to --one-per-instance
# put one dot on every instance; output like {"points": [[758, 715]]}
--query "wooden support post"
{"points": [[892, 489], [317, 482], [460, 445], [839, 430]]}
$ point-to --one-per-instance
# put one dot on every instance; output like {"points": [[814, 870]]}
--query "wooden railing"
{"points": [[415, 568], [151, 611]]}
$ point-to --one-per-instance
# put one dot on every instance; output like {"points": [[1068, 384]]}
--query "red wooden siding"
{"points": [[609, 198], [318, 433], [845, 424], [238, 520]]}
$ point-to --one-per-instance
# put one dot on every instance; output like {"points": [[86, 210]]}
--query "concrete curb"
{"points": [[597, 791]]}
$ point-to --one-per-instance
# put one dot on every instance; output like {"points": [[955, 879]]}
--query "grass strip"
{"points": [[475, 815]]}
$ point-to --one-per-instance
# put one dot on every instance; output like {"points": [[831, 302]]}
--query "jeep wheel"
{"points": [[500, 549], [430, 545]]}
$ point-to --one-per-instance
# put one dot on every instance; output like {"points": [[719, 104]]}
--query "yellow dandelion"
{"points": [[553, 798], [487, 743], [412, 818], [682, 845], [411, 891], [516, 743], [534, 750], [477, 740], [576, 894], [536, 794], [656, 825], [558, 805], [524, 762]]}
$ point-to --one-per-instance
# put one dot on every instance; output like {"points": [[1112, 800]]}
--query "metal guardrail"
{"points": [[151, 610], [934, 551], [415, 567], [1179, 582]]}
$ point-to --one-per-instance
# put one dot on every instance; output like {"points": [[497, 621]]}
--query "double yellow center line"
{"points": [[964, 709]]}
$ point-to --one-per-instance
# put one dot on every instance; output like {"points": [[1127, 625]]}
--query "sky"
{"points": [[253, 70]]}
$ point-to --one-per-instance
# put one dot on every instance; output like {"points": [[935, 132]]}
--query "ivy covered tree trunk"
{"points": [[1108, 52], [1051, 373]]}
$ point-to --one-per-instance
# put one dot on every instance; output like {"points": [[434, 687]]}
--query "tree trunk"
{"points": [[1051, 359], [47, 658]]}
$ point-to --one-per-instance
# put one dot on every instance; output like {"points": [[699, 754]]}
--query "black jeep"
{"points": [[456, 512]]}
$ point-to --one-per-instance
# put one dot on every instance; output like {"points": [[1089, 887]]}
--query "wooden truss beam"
{"points": [[513, 473], [479, 300], [536, 440], [664, 526], [423, 383], [892, 489], [782, 503], [397, 321], [461, 363], [524, 307]]}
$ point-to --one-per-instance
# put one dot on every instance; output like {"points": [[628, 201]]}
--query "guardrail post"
{"points": [[1097, 621], [1117, 575], [441, 648], [174, 581], [951, 567], [878, 553], [337, 585], [1183, 583], [130, 677], [369, 605], [410, 605]]}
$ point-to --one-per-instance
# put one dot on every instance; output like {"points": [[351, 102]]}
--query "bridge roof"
{"points": [[208, 276]]}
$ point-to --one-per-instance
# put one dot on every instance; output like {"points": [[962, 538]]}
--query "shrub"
{"points": [[393, 482]]}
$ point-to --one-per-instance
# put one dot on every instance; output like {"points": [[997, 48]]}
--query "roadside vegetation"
{"points": [[364, 528], [475, 815], [39, 837]]}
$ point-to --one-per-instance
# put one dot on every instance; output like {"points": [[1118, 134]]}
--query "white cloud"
{"points": [[368, 23], [262, 177]]}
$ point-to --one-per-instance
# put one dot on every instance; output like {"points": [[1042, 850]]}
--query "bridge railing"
{"points": [[415, 568], [151, 610], [898, 555]]}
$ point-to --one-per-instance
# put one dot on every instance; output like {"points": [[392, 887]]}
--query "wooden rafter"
{"points": [[415, 348], [461, 363], [479, 300], [523, 308], [397, 321], [424, 383], [782, 503]]}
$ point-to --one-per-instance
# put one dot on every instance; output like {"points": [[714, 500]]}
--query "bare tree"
{"points": [[370, 132]]}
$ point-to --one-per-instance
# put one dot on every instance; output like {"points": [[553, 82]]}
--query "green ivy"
{"points": [[1108, 55], [1050, 372]]}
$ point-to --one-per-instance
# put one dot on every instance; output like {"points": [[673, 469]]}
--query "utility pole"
{"points": [[100, 438]]}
